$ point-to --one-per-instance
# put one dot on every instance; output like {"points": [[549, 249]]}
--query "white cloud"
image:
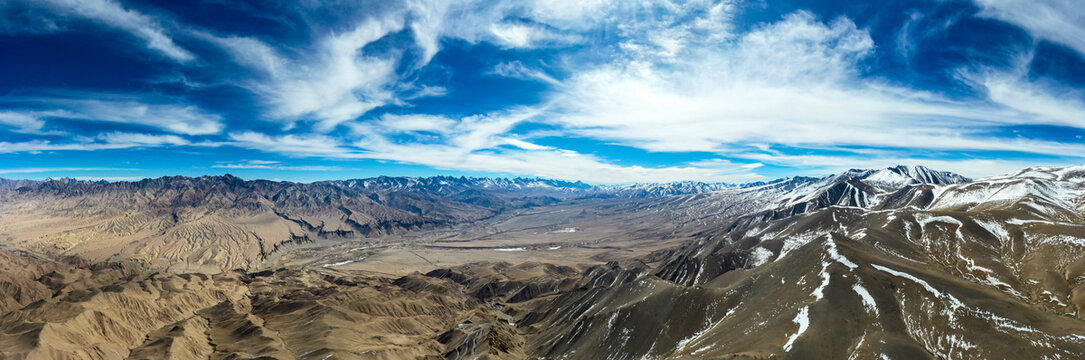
{"points": [[136, 139], [21, 121], [792, 83], [1021, 99], [273, 165], [427, 26], [336, 83], [58, 169], [294, 145], [172, 117], [426, 91], [477, 132], [250, 52], [333, 81], [34, 146], [113, 14], [672, 29], [671, 76], [570, 13], [471, 145], [552, 23], [478, 143], [548, 162], [105, 141], [1059, 21], [523, 36], [517, 70], [416, 122], [524, 144], [783, 80], [260, 162], [1037, 103], [795, 82]]}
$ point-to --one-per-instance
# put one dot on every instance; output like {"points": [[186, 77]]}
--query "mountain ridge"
{"points": [[915, 173]]}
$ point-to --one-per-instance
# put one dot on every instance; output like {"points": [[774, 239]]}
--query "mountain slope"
{"points": [[224, 222], [995, 275]]}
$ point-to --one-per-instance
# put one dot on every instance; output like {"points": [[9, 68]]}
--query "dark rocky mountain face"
{"points": [[896, 263]]}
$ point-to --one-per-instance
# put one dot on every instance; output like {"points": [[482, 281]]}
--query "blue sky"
{"points": [[595, 90]]}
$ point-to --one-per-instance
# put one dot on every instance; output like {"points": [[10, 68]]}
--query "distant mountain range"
{"points": [[188, 218], [450, 185]]}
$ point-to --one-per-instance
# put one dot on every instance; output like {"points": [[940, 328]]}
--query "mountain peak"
{"points": [[914, 174]]}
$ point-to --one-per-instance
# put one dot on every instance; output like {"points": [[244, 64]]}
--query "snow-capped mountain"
{"points": [[451, 185], [908, 175], [652, 190], [866, 189], [1044, 191], [965, 273]]}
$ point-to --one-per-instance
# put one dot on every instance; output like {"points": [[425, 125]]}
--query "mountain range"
{"points": [[899, 263]]}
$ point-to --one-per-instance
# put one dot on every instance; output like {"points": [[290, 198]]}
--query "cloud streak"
{"points": [[59, 169], [274, 165], [112, 14], [31, 112], [1059, 21], [105, 141]]}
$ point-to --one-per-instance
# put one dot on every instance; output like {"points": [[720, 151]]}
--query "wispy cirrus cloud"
{"points": [[304, 145], [334, 84], [22, 121], [526, 36], [34, 170], [517, 70], [273, 165], [113, 14], [1059, 21], [1030, 101], [167, 114], [104, 141], [137, 139], [483, 143], [335, 80]]}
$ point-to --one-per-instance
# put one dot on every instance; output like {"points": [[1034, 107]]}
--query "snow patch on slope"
{"points": [[952, 300], [803, 319], [868, 300], [759, 256]]}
